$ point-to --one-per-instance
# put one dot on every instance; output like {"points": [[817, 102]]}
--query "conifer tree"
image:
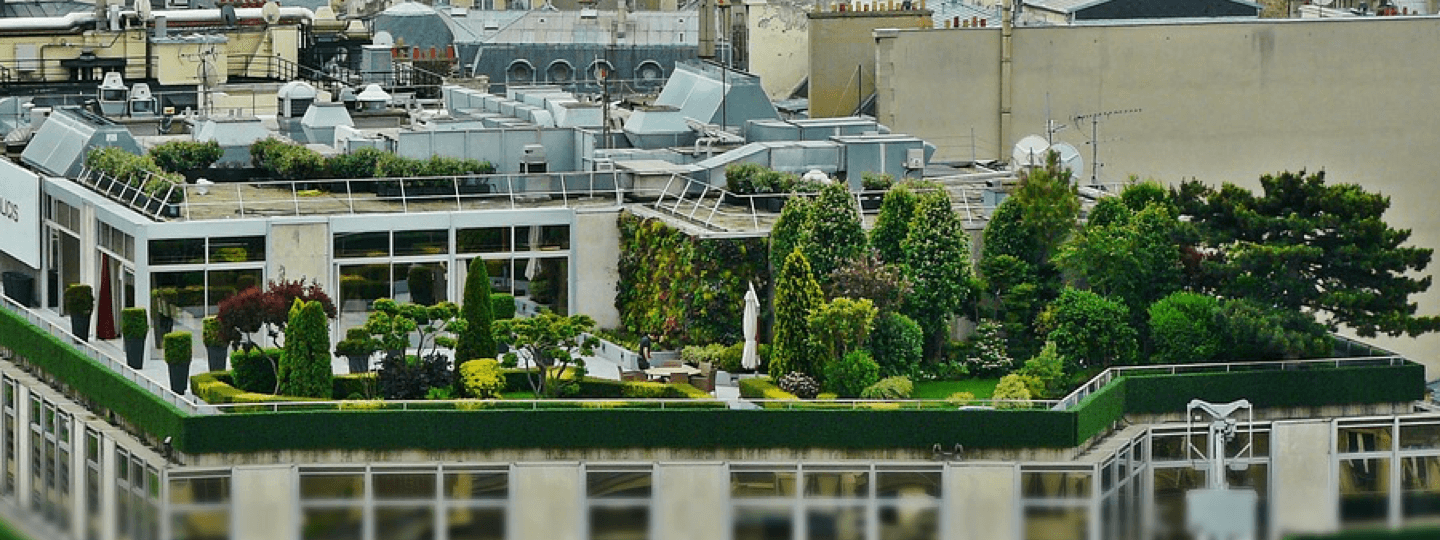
{"points": [[937, 262], [797, 294], [305, 363], [477, 310]]}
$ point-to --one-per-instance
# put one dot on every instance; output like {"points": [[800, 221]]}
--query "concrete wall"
{"points": [[687, 499], [299, 251], [266, 504], [595, 273], [1302, 492], [1221, 102], [842, 56], [982, 501], [561, 516], [779, 37]]}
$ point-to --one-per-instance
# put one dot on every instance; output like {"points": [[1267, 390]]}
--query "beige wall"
{"points": [[778, 35], [687, 499], [842, 56], [982, 502], [562, 514], [1221, 101], [1302, 493], [596, 269], [265, 504], [300, 251]]}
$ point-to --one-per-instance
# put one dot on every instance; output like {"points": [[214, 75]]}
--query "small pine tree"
{"points": [[478, 312], [305, 363], [789, 229], [796, 295], [892, 225]]}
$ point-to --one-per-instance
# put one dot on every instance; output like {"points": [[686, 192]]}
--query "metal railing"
{"points": [[903, 404], [132, 194], [702, 203], [394, 195], [598, 404], [1109, 375], [119, 366]]}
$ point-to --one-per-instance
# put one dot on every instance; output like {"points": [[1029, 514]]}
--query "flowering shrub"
{"points": [[801, 385], [987, 352]]}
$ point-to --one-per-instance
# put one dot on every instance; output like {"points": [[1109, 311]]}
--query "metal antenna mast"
{"points": [[1094, 143]]}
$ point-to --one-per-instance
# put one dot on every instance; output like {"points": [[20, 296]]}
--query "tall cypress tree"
{"points": [[477, 311], [796, 295], [893, 224], [305, 365]]}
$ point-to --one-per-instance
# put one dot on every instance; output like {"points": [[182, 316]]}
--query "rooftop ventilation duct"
{"points": [[294, 98]]}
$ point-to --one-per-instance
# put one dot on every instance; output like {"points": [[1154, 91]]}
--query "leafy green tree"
{"points": [[892, 224], [551, 344], [1090, 330], [851, 374], [1045, 372], [1109, 211], [1017, 279], [476, 341], [790, 229], [1252, 331], [897, 344], [840, 326], [1049, 203], [1012, 387], [1183, 328], [1136, 262], [988, 357], [937, 262], [1006, 234], [797, 294], [1139, 195], [1323, 247], [835, 234], [305, 364], [869, 277]]}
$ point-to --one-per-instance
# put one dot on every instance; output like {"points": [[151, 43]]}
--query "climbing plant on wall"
{"points": [[687, 289]]}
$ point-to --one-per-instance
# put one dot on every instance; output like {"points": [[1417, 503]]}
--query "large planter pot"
{"points": [[179, 377], [135, 352], [80, 326], [163, 325], [359, 363], [215, 356]]}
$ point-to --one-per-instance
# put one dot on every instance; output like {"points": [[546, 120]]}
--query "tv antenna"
{"points": [[1094, 141]]}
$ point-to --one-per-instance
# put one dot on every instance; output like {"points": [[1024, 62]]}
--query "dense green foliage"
{"points": [[1306, 244], [502, 306], [134, 323], [295, 162], [357, 342], [1045, 373], [988, 356], [79, 299], [1012, 387], [840, 326], [1090, 330], [892, 224], [834, 234], [937, 263], [851, 374], [178, 156], [1184, 328], [889, 388], [790, 228], [254, 369], [1050, 205], [139, 172], [1252, 331], [210, 333], [481, 378], [897, 345], [305, 361], [178, 348], [868, 277], [1135, 261], [552, 342], [755, 179], [686, 289], [797, 295], [478, 311]]}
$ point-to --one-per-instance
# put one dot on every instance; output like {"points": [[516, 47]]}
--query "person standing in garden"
{"points": [[646, 343]]}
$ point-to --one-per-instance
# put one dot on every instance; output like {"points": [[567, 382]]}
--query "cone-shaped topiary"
{"points": [[305, 362], [478, 312]]}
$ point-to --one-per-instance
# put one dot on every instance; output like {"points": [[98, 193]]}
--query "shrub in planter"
{"points": [[255, 369], [178, 351], [422, 284], [177, 156], [357, 346], [889, 388], [851, 374], [80, 303], [215, 343], [870, 181], [801, 385], [481, 378], [133, 326], [502, 306]]}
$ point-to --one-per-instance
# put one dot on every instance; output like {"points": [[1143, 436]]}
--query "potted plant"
{"points": [[357, 347], [162, 304], [80, 303], [178, 349], [133, 325], [216, 346]]}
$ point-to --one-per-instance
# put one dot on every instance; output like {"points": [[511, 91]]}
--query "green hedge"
{"points": [[104, 387], [1099, 410], [1313, 386], [1423, 533]]}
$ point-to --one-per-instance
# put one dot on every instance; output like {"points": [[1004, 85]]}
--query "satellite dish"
{"points": [[227, 12], [271, 12], [1029, 152], [1070, 159]]}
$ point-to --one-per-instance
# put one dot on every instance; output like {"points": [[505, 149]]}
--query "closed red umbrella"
{"points": [[105, 319]]}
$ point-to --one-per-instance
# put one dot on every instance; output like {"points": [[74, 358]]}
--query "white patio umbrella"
{"points": [[751, 360]]}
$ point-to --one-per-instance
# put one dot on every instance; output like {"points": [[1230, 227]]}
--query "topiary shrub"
{"points": [[177, 156], [305, 366], [730, 358], [411, 377], [255, 369], [502, 306], [851, 374], [178, 348], [477, 308], [801, 385], [481, 378], [897, 343], [889, 388], [134, 323], [960, 399], [210, 332], [79, 299]]}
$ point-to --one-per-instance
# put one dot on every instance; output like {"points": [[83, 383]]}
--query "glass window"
{"points": [[619, 523], [839, 484], [617, 485], [1055, 485], [907, 485], [332, 486], [206, 524], [184, 291], [763, 523], [405, 522], [484, 240], [1363, 439], [1420, 437], [237, 249], [1364, 492], [177, 251], [836, 523], [424, 283], [366, 244], [331, 523], [1055, 523], [404, 485], [1420, 489], [476, 523], [476, 485], [554, 237], [208, 490], [226, 283], [422, 242], [753, 484]]}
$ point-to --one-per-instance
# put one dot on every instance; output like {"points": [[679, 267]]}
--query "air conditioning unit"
{"points": [[915, 158]]}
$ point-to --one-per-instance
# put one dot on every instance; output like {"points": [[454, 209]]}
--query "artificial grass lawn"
{"points": [[982, 388]]}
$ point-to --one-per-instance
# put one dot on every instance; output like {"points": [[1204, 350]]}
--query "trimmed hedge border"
{"points": [[1420, 533], [491, 425]]}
